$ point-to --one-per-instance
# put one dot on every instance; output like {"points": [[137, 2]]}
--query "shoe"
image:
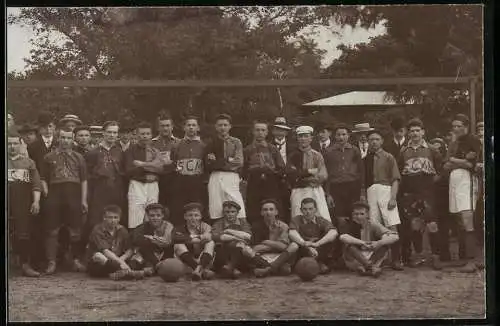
{"points": [[236, 274], [137, 275], [29, 271], [207, 274], [227, 271], [454, 263], [149, 271], [362, 271], [261, 272], [119, 275], [375, 271], [78, 267], [436, 263], [414, 263], [470, 267], [397, 266], [196, 274], [323, 269], [285, 270], [51, 268]]}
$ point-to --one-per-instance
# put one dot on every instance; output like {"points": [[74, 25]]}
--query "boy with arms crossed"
{"points": [[193, 243], [367, 242]]}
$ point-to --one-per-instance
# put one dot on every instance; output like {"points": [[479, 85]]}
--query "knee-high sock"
{"points": [[24, 250], [416, 237], [278, 262], [378, 256], [434, 242], [235, 256], [188, 259], [205, 259], [51, 245], [471, 244], [356, 254]]}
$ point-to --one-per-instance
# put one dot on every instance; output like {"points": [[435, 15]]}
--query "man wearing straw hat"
{"points": [[70, 121], [307, 172], [361, 129]]}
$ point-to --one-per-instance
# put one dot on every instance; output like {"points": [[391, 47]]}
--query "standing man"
{"points": [[29, 133], [224, 162], [324, 139], [189, 183], [64, 179], [394, 145], [307, 172], [143, 165], [124, 137], [82, 139], [105, 170], [382, 179], [462, 157], [263, 170], [285, 147], [420, 165], [361, 141], [70, 121], [165, 142], [345, 173]]}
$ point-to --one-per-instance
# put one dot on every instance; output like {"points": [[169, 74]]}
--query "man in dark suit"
{"points": [[280, 132], [323, 140], [43, 144], [398, 140]]}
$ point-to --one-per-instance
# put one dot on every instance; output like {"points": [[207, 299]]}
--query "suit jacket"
{"points": [[392, 148], [291, 146], [37, 150]]}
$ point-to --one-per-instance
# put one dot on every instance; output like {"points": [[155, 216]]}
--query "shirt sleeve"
{"points": [[283, 237], [206, 230], [325, 225], [294, 223], [361, 167], [237, 158], [394, 170], [217, 230], [379, 230], [83, 168], [245, 227], [35, 177], [125, 238], [45, 168], [322, 173]]}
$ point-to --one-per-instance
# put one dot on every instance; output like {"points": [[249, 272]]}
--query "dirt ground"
{"points": [[414, 293]]}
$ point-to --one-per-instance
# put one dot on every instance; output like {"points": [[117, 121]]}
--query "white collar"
{"points": [[280, 142], [195, 138], [326, 143], [400, 142], [47, 139]]}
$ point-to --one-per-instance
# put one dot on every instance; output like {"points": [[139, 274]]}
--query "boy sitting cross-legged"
{"points": [[193, 240], [232, 236], [367, 241], [152, 240], [109, 248], [276, 243], [312, 235]]}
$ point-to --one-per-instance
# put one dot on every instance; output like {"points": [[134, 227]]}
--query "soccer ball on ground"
{"points": [[307, 269], [171, 269]]}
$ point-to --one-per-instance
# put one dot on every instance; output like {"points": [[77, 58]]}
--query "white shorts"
{"points": [[224, 186], [378, 197], [139, 196], [462, 197], [315, 193]]}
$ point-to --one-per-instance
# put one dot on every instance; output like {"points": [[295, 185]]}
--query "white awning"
{"points": [[356, 98]]}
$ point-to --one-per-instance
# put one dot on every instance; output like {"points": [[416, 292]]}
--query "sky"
{"points": [[18, 45]]}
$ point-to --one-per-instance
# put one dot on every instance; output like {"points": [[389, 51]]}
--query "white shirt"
{"points": [[281, 147], [363, 147], [47, 141], [399, 143], [324, 144]]}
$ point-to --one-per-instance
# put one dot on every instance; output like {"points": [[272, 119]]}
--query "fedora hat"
{"points": [[280, 122], [362, 127], [70, 117]]}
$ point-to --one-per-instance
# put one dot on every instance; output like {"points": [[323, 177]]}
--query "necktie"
{"points": [[323, 146]]}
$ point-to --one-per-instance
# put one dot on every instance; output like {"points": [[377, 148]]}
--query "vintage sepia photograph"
{"points": [[211, 163]]}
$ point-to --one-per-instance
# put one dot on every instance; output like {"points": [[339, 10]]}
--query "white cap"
{"points": [[304, 130]]}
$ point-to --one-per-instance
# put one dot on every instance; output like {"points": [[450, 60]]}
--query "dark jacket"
{"points": [[37, 150], [392, 148]]}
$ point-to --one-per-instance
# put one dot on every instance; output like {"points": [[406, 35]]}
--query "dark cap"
{"points": [[374, 131], [27, 127], [230, 203], [150, 207], [45, 118], [192, 206]]}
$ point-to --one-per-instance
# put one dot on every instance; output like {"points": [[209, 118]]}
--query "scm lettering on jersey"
{"points": [[22, 175], [190, 166]]}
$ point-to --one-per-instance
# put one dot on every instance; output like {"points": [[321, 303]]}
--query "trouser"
{"points": [[224, 186], [64, 208], [259, 189], [344, 194], [355, 257], [98, 269], [230, 253], [188, 189], [149, 257], [140, 195], [325, 253], [167, 190]]}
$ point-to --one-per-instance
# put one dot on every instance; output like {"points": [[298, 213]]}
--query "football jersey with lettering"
{"points": [[188, 156]]}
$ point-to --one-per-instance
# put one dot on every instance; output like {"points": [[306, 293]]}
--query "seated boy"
{"points": [[193, 243], [152, 240], [232, 236], [276, 248], [367, 242], [109, 248], [312, 235]]}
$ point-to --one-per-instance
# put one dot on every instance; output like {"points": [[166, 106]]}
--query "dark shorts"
{"points": [[64, 208], [417, 198], [326, 253]]}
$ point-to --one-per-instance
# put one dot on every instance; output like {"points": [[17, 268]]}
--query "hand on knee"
{"points": [[99, 258]]}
